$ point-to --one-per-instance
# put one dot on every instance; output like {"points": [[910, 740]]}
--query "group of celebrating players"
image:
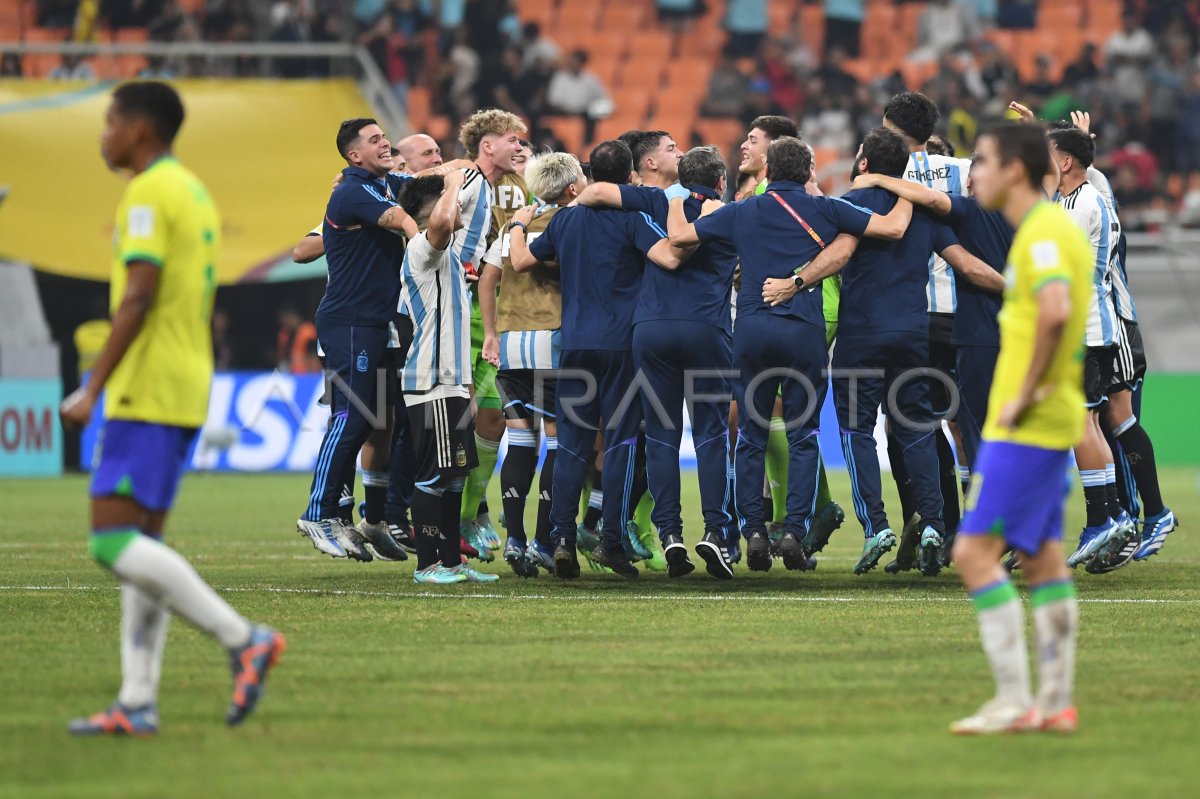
{"points": [[581, 310]]}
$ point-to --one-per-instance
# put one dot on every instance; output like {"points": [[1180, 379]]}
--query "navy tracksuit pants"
{"points": [[773, 353], [976, 365], [595, 389], [891, 355], [355, 361], [678, 362]]}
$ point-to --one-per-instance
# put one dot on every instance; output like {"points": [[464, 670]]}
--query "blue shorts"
{"points": [[142, 461], [1017, 492]]}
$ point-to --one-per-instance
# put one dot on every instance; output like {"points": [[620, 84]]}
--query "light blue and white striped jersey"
{"points": [[436, 289], [1089, 210], [476, 198], [530, 349], [1122, 298], [947, 174]]}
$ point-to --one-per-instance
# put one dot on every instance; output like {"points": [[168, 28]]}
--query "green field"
{"points": [[783, 684]]}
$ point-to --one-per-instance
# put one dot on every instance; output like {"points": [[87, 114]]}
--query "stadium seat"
{"points": [[632, 100], [688, 71], [812, 27], [578, 16], [615, 125], [724, 132], [622, 17], [650, 42], [643, 70], [39, 65], [676, 103], [539, 11], [418, 107], [679, 124], [567, 129], [439, 128], [607, 68]]}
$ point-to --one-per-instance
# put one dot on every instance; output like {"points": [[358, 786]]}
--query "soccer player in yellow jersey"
{"points": [[1035, 416], [155, 372]]}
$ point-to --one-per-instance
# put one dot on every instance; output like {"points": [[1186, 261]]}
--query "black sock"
{"points": [[427, 526], [483, 508], [544, 528], [448, 545], [1114, 500], [949, 472], [908, 504], [591, 517], [1139, 451], [1095, 499], [516, 477], [376, 497]]}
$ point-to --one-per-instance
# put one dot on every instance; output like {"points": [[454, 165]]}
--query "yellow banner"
{"points": [[265, 149]]}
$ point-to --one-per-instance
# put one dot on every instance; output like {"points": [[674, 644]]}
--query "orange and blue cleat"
{"points": [[250, 665], [118, 720]]}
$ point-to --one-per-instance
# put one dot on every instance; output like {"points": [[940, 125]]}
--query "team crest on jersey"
{"points": [[460, 457], [362, 362]]}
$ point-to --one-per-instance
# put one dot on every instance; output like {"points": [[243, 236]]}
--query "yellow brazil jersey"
{"points": [[167, 218], [1047, 247]]}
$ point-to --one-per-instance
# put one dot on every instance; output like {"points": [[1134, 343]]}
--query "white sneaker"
{"points": [[999, 716], [322, 536]]}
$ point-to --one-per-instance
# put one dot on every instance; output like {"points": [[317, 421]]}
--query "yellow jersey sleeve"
{"points": [[142, 223]]}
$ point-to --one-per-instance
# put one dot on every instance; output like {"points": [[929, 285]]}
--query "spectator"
{"points": [[56, 13], [1016, 14], [536, 48], [516, 88], [73, 67], [677, 15], [221, 341], [294, 342], [1082, 70], [944, 26], [1128, 53], [460, 73], [843, 25], [997, 75], [746, 23], [726, 90], [829, 124], [833, 75], [10, 66], [786, 91], [1041, 87], [575, 91], [1168, 80], [387, 50]]}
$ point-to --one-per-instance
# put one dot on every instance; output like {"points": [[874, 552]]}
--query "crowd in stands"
{"points": [[1134, 65]]}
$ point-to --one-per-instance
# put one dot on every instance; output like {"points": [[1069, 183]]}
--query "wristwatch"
{"points": [[799, 281], [521, 225]]}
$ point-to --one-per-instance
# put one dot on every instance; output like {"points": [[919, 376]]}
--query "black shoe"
{"points": [[758, 552], [713, 549], [566, 563], [792, 552], [906, 553], [948, 548], [614, 557], [1011, 562], [402, 534], [824, 522], [676, 554]]}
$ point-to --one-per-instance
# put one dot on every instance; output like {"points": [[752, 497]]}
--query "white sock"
{"points": [[1055, 625], [166, 576], [144, 623], [1002, 629]]}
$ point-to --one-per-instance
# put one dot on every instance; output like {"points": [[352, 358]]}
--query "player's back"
{"points": [[1091, 212], [948, 174], [1046, 247], [167, 218]]}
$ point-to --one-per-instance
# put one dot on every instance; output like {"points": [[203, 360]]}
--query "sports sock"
{"points": [[908, 503], [477, 481], [144, 623], [641, 517], [516, 477], [426, 510], [448, 545], [1110, 491], [1002, 630], [375, 488], [595, 504], [346, 506], [483, 509], [824, 496], [164, 575], [948, 469], [1139, 451], [1095, 496], [1055, 624], [777, 469], [545, 495], [964, 479]]}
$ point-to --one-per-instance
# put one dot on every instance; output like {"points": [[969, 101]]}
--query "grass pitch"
{"points": [[783, 684]]}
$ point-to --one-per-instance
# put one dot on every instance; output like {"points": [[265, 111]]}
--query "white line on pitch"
{"points": [[866, 597]]}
